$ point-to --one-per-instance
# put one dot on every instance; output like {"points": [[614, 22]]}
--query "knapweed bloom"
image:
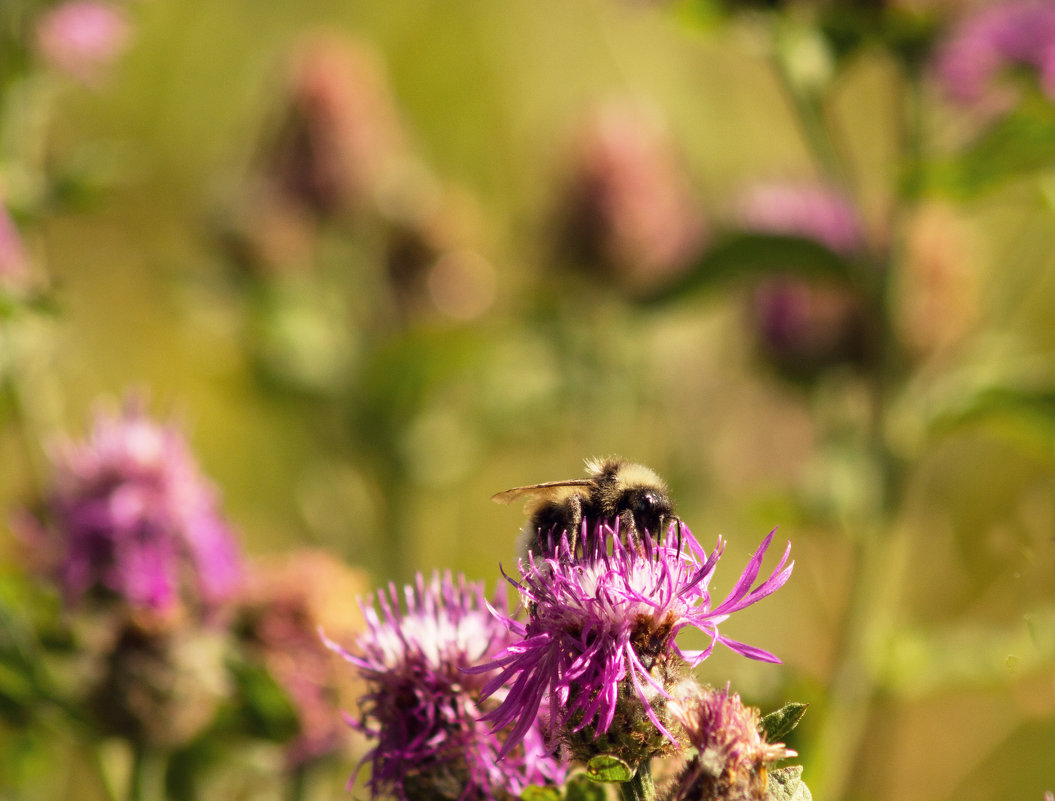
{"points": [[996, 40], [627, 211], [283, 603], [731, 752], [599, 656], [807, 210], [805, 325], [340, 137], [130, 516], [82, 38], [423, 706]]}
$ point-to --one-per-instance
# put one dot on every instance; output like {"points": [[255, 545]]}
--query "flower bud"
{"points": [[628, 214], [731, 753]]}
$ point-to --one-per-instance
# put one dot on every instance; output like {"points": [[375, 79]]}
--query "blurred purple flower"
{"points": [[423, 708], [804, 327], [602, 630], [731, 753], [82, 38], [807, 325], [280, 607], [340, 137], [806, 210], [628, 211], [995, 39], [130, 513]]}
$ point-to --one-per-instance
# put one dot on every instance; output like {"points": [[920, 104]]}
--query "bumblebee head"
{"points": [[649, 506]]}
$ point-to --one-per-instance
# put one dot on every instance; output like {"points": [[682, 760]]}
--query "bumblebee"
{"points": [[613, 489]]}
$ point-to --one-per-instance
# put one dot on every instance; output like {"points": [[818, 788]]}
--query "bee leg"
{"points": [[628, 528], [574, 522]]}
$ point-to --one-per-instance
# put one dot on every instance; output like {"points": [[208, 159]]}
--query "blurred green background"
{"points": [[332, 411]]}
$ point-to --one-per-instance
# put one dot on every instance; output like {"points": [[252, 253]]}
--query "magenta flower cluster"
{"points": [[811, 211], [130, 515], [603, 621], [82, 37], [994, 40], [424, 708]]}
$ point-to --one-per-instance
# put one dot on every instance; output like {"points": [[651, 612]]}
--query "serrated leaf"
{"points": [[535, 793], [779, 724], [582, 788], [608, 768], [745, 256], [785, 784]]}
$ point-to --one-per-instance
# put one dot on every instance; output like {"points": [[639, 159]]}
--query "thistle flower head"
{"points": [[731, 753], [992, 41], [423, 707], [82, 37], [280, 608], [804, 326], [628, 212], [340, 136], [598, 653], [130, 515], [810, 211]]}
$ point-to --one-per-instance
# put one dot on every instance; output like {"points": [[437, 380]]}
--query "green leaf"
{"points": [[751, 256], [785, 784], [1024, 402], [268, 708], [778, 725], [541, 794], [1019, 142], [582, 788], [608, 768]]}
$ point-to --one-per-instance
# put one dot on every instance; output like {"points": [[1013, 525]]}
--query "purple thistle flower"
{"points": [[731, 753], [423, 706], [627, 211], [810, 211], [130, 514], [993, 40], [82, 37], [806, 325], [599, 650]]}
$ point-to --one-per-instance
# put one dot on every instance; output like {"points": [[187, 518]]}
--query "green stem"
{"points": [[20, 422], [297, 783], [877, 563], [809, 117], [105, 777], [147, 779], [641, 787]]}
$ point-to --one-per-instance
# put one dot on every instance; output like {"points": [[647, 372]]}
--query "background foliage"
{"points": [[342, 398]]}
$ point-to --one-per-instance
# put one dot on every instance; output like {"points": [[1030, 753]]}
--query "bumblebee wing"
{"points": [[534, 494]]}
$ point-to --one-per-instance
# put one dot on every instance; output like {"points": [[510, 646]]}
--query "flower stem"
{"points": [[297, 783], [641, 787], [147, 780]]}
